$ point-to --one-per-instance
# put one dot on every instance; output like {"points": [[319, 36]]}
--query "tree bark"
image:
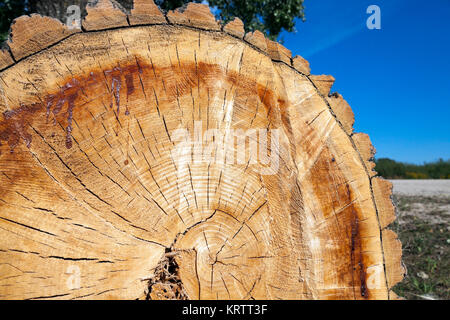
{"points": [[119, 181]]}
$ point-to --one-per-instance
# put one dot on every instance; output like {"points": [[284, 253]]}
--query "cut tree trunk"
{"points": [[120, 177], [58, 9]]}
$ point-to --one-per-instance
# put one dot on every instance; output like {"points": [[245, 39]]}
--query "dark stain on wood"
{"points": [[13, 127], [356, 251], [337, 206], [178, 81]]}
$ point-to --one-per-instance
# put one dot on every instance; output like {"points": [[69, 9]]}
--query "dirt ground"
{"points": [[423, 226]]}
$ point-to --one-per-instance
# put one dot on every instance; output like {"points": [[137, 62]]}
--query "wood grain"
{"points": [[102, 197], [278, 52], [195, 15], [342, 111], [104, 14], [235, 28], [30, 34], [145, 12], [257, 39], [301, 65], [323, 83]]}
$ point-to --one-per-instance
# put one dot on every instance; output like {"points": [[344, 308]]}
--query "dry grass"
{"points": [[423, 227]]}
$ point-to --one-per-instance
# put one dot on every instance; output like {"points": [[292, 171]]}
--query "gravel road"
{"points": [[425, 199], [429, 188]]}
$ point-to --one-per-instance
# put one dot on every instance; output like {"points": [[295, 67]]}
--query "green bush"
{"points": [[9, 9], [391, 169]]}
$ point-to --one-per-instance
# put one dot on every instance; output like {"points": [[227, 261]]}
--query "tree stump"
{"points": [[172, 159]]}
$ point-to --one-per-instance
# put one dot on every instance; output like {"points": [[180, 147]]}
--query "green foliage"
{"points": [[9, 10], [171, 4], [391, 169], [268, 16]]}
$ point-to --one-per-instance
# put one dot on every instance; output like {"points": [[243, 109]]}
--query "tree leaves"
{"points": [[9, 9], [268, 16]]}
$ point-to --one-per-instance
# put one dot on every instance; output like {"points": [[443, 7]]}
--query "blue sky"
{"points": [[397, 79]]}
